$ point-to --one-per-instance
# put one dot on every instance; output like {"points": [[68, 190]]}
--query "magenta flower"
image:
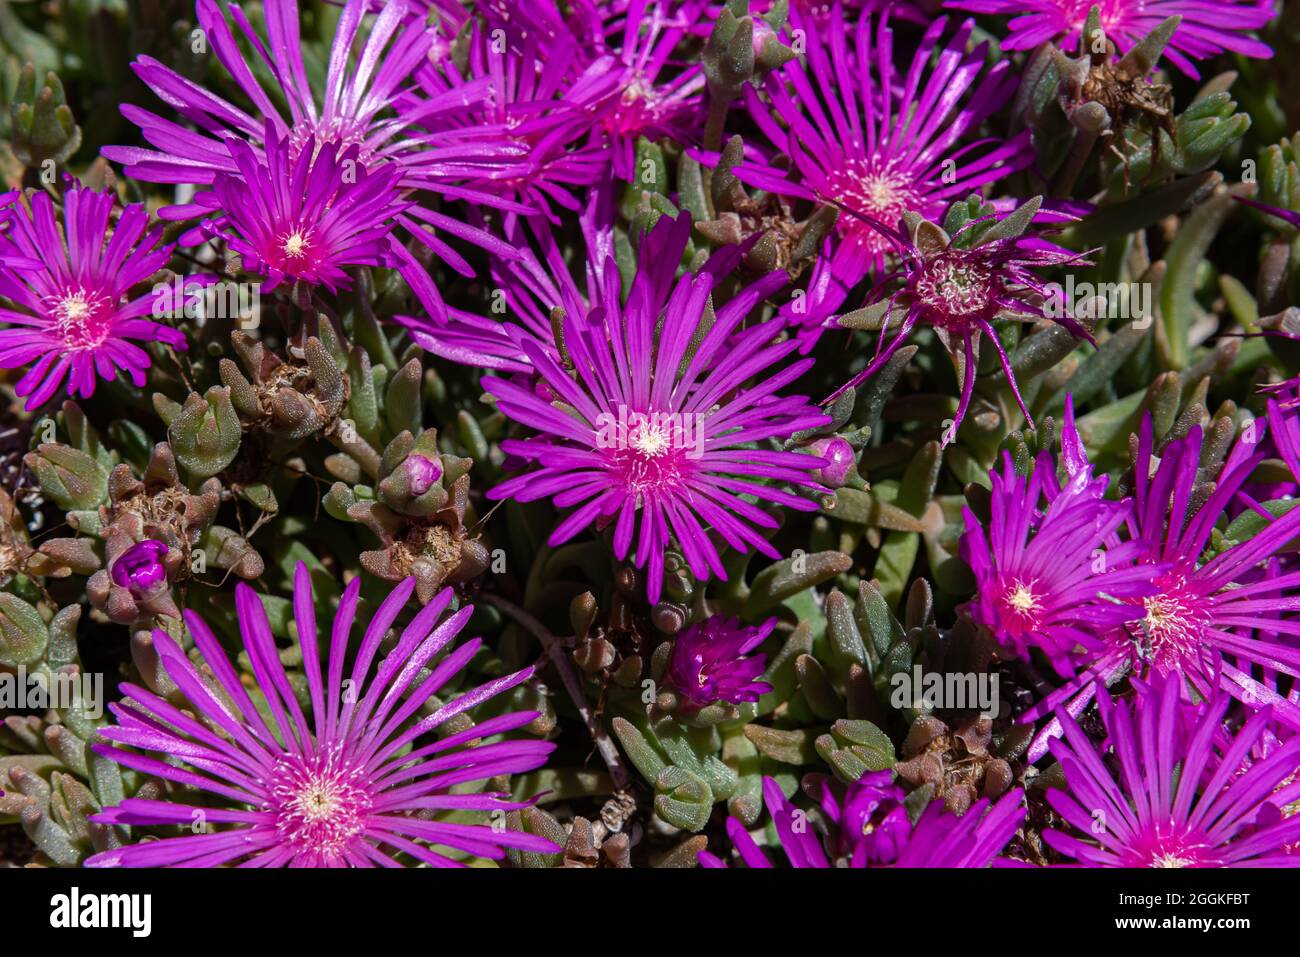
{"points": [[352, 111], [306, 218], [1213, 616], [867, 138], [353, 114], [1043, 577], [711, 662], [1208, 27], [938, 839], [365, 779], [1200, 607], [654, 436], [870, 822], [959, 285], [140, 568], [69, 285], [1176, 800]]}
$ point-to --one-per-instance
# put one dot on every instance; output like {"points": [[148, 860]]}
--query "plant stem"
{"points": [[555, 649]]}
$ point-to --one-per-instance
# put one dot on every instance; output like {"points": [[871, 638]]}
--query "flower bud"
{"points": [[422, 473], [840, 461], [140, 568]]}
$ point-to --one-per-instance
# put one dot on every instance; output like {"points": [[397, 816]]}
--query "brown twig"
{"points": [[555, 649]]}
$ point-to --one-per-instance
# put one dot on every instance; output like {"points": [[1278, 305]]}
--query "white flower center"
{"points": [[1022, 599], [1172, 629], [321, 804], [82, 319], [650, 440], [295, 245], [74, 308], [318, 801], [954, 289]]}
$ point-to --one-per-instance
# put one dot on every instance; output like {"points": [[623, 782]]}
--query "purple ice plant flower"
{"points": [[306, 216], [872, 806], [1044, 579], [1214, 614], [354, 114], [1175, 799], [657, 434], [712, 662], [69, 311], [959, 285], [140, 568], [1208, 27], [1206, 609], [363, 780], [352, 110], [871, 822], [878, 137]]}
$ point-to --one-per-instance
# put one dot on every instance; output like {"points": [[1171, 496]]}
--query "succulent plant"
{"points": [[420, 512], [154, 520], [741, 433], [42, 126], [51, 782]]}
